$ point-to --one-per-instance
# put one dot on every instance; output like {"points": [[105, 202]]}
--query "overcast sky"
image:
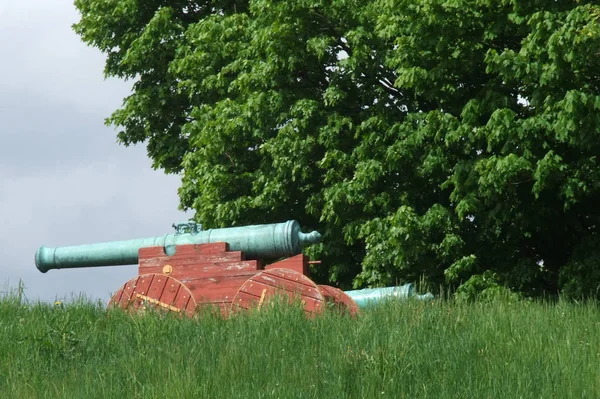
{"points": [[63, 178]]}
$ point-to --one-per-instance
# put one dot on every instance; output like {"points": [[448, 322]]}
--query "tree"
{"points": [[452, 140]]}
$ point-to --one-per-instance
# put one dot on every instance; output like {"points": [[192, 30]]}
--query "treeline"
{"points": [[455, 141]]}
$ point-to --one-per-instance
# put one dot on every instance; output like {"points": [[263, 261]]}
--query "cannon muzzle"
{"points": [[267, 241]]}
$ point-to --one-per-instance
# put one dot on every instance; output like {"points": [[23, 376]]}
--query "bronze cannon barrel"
{"points": [[266, 241]]}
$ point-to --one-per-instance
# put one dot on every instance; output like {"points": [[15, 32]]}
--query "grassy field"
{"points": [[408, 349]]}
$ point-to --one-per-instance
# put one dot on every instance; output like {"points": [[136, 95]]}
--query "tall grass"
{"points": [[499, 349]]}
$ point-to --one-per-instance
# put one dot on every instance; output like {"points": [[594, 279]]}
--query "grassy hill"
{"points": [[500, 349]]}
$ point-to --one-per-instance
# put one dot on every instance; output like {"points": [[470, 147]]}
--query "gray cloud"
{"points": [[63, 178]]}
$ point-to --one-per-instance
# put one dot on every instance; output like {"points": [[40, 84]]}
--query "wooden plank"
{"points": [[185, 250], [341, 301], [158, 304], [185, 300], [218, 295], [120, 296], [269, 284], [171, 290], [118, 299], [151, 261], [143, 283], [189, 251], [210, 248], [157, 287], [205, 269], [290, 280], [298, 263], [154, 291], [259, 283], [207, 283], [217, 289], [123, 297], [245, 300]]}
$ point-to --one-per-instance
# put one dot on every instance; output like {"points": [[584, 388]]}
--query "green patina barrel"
{"points": [[267, 241], [372, 296]]}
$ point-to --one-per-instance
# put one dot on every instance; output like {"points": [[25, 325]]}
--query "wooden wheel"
{"points": [[268, 284], [339, 300], [154, 291]]}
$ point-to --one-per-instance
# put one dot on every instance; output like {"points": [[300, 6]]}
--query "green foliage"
{"points": [[484, 287], [434, 138], [443, 349], [580, 277]]}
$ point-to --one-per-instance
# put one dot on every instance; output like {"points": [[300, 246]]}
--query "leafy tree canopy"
{"points": [[451, 139]]}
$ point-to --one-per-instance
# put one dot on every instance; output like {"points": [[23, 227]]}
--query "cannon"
{"points": [[372, 296], [268, 241], [231, 269]]}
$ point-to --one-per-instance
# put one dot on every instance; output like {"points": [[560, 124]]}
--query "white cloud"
{"points": [[97, 202], [47, 58], [63, 178]]}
